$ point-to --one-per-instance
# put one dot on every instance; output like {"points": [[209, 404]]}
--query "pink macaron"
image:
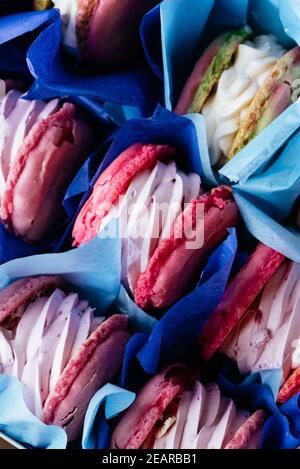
{"points": [[176, 411]]}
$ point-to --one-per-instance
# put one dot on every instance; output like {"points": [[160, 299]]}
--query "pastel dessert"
{"points": [[167, 224], [298, 214], [175, 411], [257, 323], [42, 146], [239, 296], [240, 84], [105, 32], [42, 4], [62, 353]]}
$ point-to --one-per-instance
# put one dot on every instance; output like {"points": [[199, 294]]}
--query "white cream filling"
{"points": [[146, 213], [50, 332], [271, 337], [17, 117], [204, 420], [227, 108], [68, 10]]}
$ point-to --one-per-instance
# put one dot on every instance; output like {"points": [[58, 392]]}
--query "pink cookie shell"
{"points": [[46, 163], [15, 297], [113, 182], [96, 363], [239, 296], [14, 85], [290, 387], [138, 421], [243, 436], [108, 30], [173, 266]]}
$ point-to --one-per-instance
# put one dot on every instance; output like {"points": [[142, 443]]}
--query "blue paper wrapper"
{"points": [[94, 272], [167, 128], [17, 422], [15, 6], [163, 128], [115, 400], [257, 391], [174, 334]]}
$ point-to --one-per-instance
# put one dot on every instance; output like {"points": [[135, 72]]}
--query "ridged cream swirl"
{"points": [[269, 337], [147, 212], [50, 332]]}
